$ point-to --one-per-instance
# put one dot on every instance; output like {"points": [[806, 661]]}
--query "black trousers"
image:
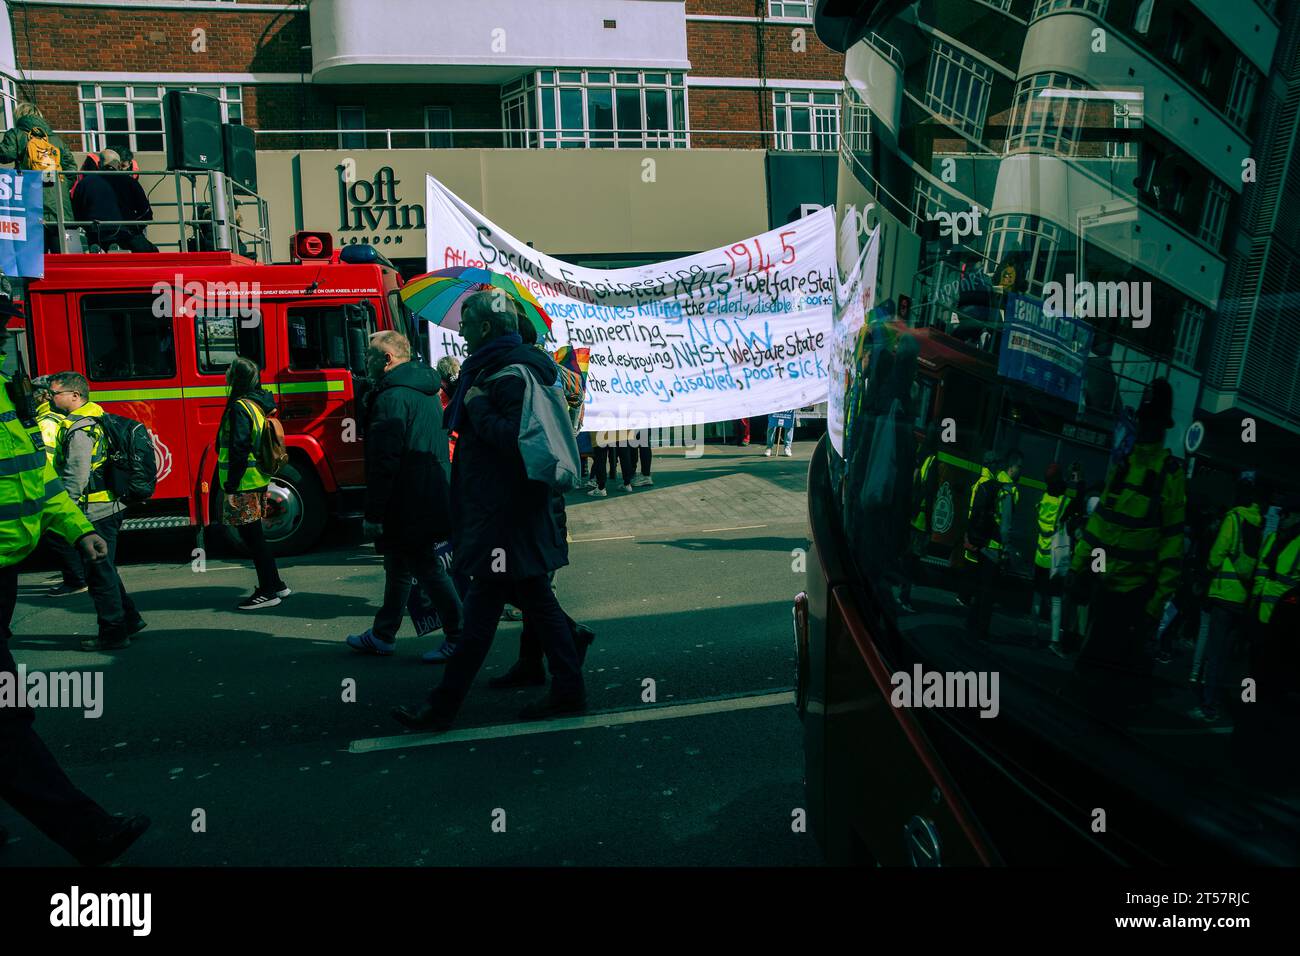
{"points": [[31, 780], [254, 538], [399, 568], [1114, 662], [113, 606], [626, 463], [488, 595], [984, 578], [69, 560]]}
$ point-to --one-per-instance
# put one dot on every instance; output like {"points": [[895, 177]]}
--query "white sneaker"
{"points": [[627, 487], [642, 481], [597, 493], [768, 453], [589, 483], [788, 452]]}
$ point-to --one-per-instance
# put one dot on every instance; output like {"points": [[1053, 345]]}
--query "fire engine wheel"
{"points": [[296, 511], [295, 518]]}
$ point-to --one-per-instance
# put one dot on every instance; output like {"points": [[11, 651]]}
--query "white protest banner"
{"points": [[855, 297], [724, 334]]}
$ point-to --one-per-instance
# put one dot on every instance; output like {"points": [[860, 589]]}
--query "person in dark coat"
{"points": [[134, 203], [406, 490], [95, 201], [506, 533]]}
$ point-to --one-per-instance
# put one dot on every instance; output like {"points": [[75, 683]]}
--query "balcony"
{"points": [[490, 41]]}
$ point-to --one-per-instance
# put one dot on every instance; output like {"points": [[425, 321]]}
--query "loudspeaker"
{"points": [[193, 128], [241, 155]]}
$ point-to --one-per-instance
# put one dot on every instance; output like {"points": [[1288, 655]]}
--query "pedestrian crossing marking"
{"points": [[610, 718]]}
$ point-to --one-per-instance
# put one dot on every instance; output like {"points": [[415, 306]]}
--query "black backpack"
{"points": [[130, 469], [984, 520]]}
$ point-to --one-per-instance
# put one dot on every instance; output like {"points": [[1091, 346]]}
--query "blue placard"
{"points": [[22, 225], [782, 420], [1049, 352]]}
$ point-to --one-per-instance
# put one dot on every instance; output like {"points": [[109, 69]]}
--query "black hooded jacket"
{"points": [[406, 460], [494, 503], [240, 426]]}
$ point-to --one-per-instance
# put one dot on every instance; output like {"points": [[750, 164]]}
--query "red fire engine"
{"points": [[155, 333]]}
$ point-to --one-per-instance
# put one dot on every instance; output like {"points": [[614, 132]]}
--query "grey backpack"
{"points": [[546, 440]]}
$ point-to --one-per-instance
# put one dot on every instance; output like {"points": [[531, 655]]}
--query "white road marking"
{"points": [[561, 724], [744, 527], [617, 537]]}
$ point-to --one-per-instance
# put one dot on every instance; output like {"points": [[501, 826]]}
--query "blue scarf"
{"points": [[487, 353]]}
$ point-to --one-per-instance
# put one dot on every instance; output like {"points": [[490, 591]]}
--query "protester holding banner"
{"points": [[780, 422], [644, 457], [612, 445], [506, 534]]}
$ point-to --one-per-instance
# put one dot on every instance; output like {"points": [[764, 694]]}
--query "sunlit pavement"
{"points": [[241, 715]]}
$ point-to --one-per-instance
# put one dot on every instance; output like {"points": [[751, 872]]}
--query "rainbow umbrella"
{"points": [[575, 360], [438, 296]]}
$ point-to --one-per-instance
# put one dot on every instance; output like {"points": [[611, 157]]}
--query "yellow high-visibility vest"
{"points": [[85, 418], [32, 498], [1138, 525], [1277, 573], [253, 477], [1051, 508], [1230, 579], [921, 520]]}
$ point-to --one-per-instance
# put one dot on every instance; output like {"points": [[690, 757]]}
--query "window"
{"points": [[1214, 214], [928, 200], [1042, 118], [219, 338], [1033, 240], [318, 337], [595, 109], [806, 120], [352, 118], [1209, 63], [131, 117], [1176, 42], [857, 123], [1148, 162], [958, 88], [1127, 116], [405, 322], [789, 9], [1043, 7], [125, 340], [1241, 97], [437, 118], [8, 92], [1190, 322]]}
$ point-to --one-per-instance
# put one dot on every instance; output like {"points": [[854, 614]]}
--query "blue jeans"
{"points": [[771, 434], [488, 595]]}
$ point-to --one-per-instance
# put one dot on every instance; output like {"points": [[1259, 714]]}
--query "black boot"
{"points": [[555, 706], [424, 718], [522, 674]]}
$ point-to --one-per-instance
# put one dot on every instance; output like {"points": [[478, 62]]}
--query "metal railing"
{"points": [[487, 137], [208, 219]]}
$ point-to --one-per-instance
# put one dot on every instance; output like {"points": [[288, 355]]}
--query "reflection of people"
{"points": [[1231, 565], [1053, 518], [1138, 527], [924, 483]]}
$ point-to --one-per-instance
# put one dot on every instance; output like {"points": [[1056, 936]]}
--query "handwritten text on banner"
{"points": [[733, 332]]}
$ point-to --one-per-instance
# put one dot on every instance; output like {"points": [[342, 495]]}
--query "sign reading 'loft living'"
{"points": [[371, 211]]}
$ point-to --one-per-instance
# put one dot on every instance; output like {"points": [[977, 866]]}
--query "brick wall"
{"points": [[728, 109], [732, 49], [94, 38]]}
